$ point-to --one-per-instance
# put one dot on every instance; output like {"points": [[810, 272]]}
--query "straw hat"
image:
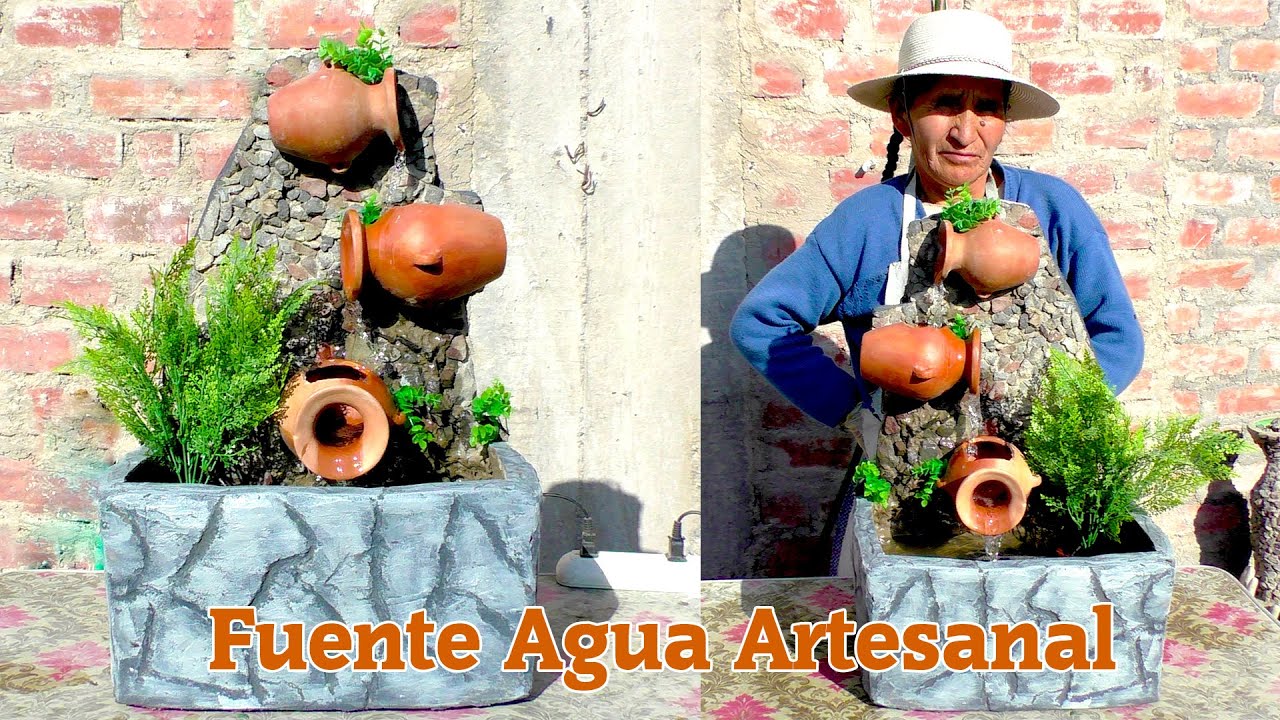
{"points": [[959, 42]]}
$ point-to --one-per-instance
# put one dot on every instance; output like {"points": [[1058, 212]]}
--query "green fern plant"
{"points": [[964, 212], [367, 60], [371, 209], [489, 409], [192, 395], [960, 326], [874, 486], [931, 471], [416, 403], [1098, 466]]}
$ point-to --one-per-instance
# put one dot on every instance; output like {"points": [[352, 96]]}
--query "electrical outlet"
{"points": [[629, 571]]}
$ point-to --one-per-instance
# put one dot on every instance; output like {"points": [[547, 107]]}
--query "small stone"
{"points": [[244, 142], [458, 349], [297, 272], [293, 194], [262, 132], [259, 173], [314, 187], [315, 206], [274, 182], [284, 167], [260, 110], [238, 203]]}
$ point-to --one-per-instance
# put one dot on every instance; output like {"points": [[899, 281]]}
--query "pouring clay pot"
{"points": [[920, 362], [991, 257], [337, 419], [423, 253], [989, 480], [331, 116]]}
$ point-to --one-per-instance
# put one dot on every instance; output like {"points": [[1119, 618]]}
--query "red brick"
{"points": [[778, 246], [1090, 178], [1074, 77], [25, 350], [1274, 186], [156, 152], [67, 25], [1027, 137], [1205, 274], [775, 78], [812, 19], [1252, 231], [1146, 77], [209, 151], [1181, 317], [1195, 144], [1127, 236], [845, 182], [1254, 399], [1198, 233], [1247, 317], [1125, 134], [22, 481], [786, 197], [881, 131], [1256, 56], [46, 402], [1142, 18], [1187, 402], [1031, 20], [6, 282], [826, 452], [186, 23], [1269, 357], [81, 152], [1200, 56], [1208, 188], [1138, 285], [434, 26], [196, 98], [1219, 100], [1140, 387], [822, 137], [23, 94], [301, 23], [1238, 13], [1202, 360], [46, 284], [1254, 143], [892, 17], [137, 220], [777, 416], [846, 70], [42, 218], [282, 73]]}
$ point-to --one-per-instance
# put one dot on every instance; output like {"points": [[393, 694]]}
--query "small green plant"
{"points": [[415, 403], [964, 212], [931, 471], [192, 395], [489, 408], [368, 60], [371, 209], [960, 326], [874, 486], [1098, 467]]}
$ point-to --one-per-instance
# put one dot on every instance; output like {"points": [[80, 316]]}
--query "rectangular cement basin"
{"points": [[461, 551], [905, 589]]}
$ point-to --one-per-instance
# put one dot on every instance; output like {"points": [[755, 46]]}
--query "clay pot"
{"points": [[1264, 518], [337, 419], [992, 257], [423, 253], [989, 480], [331, 116], [920, 362]]}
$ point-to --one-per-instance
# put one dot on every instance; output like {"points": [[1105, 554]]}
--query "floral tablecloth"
{"points": [[1221, 658], [55, 659]]}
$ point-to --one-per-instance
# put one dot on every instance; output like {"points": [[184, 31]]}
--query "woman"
{"points": [[952, 96]]}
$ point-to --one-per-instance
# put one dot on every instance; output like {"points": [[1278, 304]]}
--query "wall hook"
{"points": [[599, 109]]}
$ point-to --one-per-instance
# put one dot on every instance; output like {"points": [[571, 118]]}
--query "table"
{"points": [[1221, 657], [55, 661]]}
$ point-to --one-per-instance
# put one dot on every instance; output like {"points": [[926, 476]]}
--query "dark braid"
{"points": [[891, 161]]}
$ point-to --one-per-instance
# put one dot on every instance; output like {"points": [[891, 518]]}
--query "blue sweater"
{"points": [[839, 274]]}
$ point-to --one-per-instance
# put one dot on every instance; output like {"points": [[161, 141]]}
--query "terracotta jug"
{"points": [[1264, 516], [992, 257], [920, 362], [989, 480], [423, 253], [337, 418], [331, 116]]}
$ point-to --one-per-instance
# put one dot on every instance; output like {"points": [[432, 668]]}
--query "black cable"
{"points": [[586, 527], [675, 549]]}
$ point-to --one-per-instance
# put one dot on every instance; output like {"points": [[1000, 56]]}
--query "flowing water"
{"points": [[962, 546]]}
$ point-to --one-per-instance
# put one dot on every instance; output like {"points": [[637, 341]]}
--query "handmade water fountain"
{"points": [[344, 507], [964, 434]]}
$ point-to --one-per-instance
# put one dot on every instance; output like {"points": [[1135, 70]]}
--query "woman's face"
{"points": [[955, 127]]}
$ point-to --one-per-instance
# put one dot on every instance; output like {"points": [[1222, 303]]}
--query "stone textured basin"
{"points": [[463, 551]]}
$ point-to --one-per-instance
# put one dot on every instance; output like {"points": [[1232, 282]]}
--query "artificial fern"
{"points": [[191, 397], [368, 60], [964, 212], [489, 408]]}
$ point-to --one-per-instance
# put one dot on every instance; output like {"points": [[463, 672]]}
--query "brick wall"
{"points": [[1169, 129], [115, 118]]}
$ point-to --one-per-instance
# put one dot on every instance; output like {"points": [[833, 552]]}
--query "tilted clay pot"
{"points": [[993, 256], [337, 419], [989, 480], [423, 253], [920, 362], [331, 116]]}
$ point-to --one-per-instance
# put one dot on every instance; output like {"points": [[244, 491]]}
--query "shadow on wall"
{"points": [[616, 514], [770, 475]]}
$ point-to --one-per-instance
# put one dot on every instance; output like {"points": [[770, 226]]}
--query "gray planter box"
{"points": [[463, 551], [902, 589]]}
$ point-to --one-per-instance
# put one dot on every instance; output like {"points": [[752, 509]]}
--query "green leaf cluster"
{"points": [[416, 403], [368, 60], [371, 209], [964, 212], [1098, 466], [192, 395], [960, 326], [874, 486], [931, 471], [489, 408]]}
